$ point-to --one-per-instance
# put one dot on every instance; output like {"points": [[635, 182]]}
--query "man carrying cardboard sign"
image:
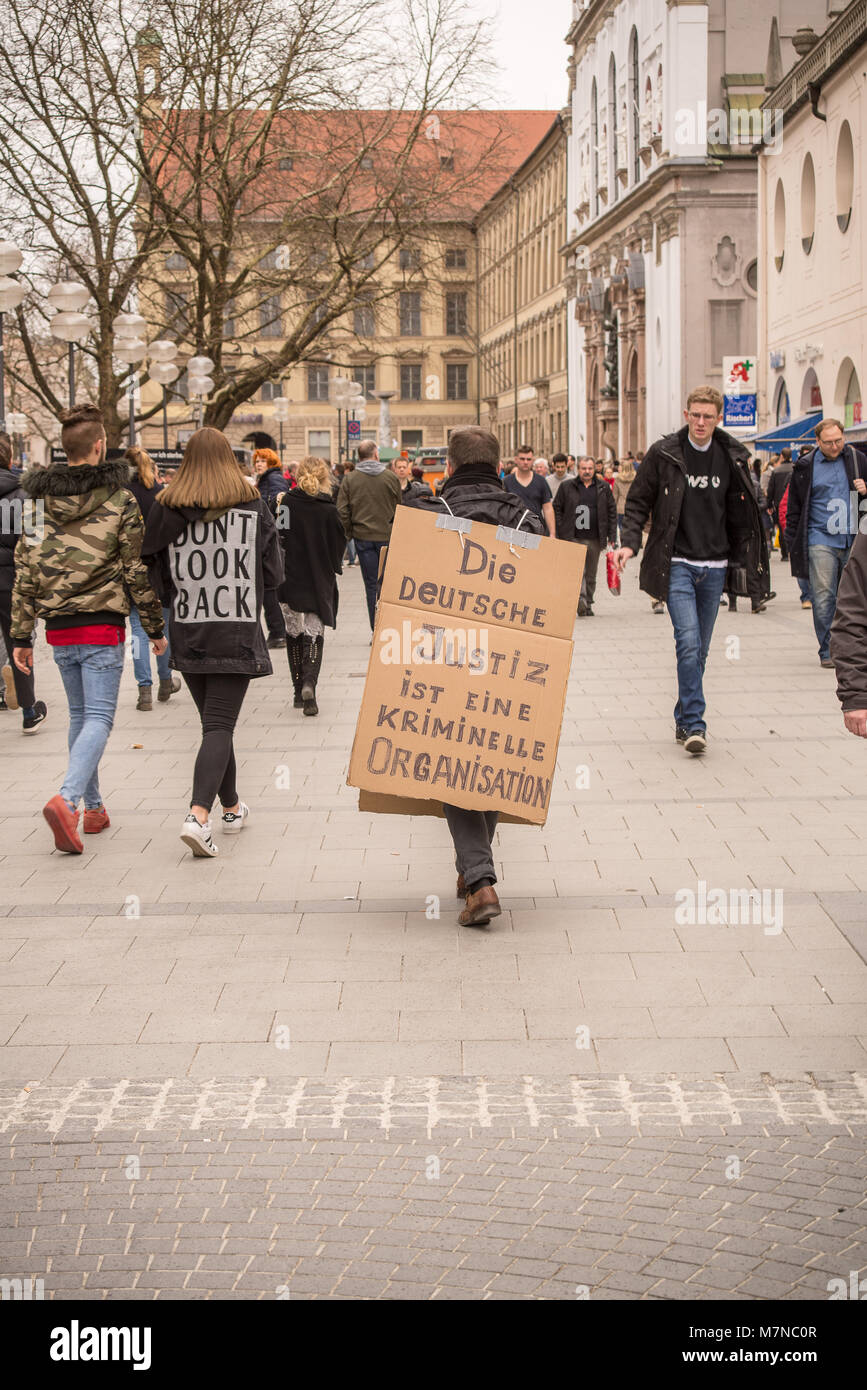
{"points": [[473, 491]]}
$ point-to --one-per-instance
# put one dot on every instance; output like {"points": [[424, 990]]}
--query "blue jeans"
{"points": [[368, 558], [141, 650], [804, 586], [693, 603], [827, 563], [350, 552], [91, 678]]}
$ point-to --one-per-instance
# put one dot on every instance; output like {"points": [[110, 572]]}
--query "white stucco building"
{"points": [[813, 251], [666, 113]]}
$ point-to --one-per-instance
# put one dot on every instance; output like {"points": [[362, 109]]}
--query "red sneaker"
{"points": [[64, 823], [96, 820]]}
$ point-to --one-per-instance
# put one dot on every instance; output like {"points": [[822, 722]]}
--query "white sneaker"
{"points": [[234, 821], [198, 837]]}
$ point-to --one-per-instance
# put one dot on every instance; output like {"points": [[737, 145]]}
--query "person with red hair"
{"points": [[271, 484]]}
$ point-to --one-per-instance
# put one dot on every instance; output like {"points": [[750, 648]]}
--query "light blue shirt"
{"points": [[829, 504]]}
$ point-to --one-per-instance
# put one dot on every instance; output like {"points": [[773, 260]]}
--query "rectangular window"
{"points": [[456, 314], [410, 314], [410, 439], [317, 383], [270, 317], [286, 164], [319, 444], [177, 309], [367, 376], [725, 329], [410, 381], [272, 390], [456, 381], [409, 259], [364, 320], [229, 327], [456, 260], [175, 261]]}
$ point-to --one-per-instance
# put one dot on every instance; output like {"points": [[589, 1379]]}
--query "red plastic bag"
{"points": [[613, 573]]}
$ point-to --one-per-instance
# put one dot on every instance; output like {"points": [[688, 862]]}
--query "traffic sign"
{"points": [[353, 429]]}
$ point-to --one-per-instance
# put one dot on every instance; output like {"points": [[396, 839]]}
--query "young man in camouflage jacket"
{"points": [[76, 566]]}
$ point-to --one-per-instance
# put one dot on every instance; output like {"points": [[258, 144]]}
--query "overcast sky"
{"points": [[529, 46]]}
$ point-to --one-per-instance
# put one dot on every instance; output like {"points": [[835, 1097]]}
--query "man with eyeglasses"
{"points": [[696, 488], [819, 529]]}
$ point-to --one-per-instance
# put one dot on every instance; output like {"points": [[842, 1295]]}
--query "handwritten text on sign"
{"points": [[213, 566]]}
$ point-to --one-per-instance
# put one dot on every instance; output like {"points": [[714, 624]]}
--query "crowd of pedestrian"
{"points": [[196, 561]]}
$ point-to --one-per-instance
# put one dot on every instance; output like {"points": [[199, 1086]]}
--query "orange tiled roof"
{"points": [[326, 148]]}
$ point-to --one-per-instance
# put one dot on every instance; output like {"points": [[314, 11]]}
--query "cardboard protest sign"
{"points": [[213, 565], [468, 671]]}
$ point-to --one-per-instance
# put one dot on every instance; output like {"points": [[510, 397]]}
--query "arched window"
{"points": [[847, 395], [634, 109], [779, 225], [782, 408], [844, 176], [808, 204], [594, 147], [811, 393], [612, 128]]}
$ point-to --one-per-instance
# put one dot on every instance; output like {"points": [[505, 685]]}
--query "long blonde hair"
{"points": [[313, 476], [626, 471], [209, 475], [143, 465]]}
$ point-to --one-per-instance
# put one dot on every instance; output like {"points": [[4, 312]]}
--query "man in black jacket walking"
{"points": [[697, 490], [585, 511], [472, 489]]}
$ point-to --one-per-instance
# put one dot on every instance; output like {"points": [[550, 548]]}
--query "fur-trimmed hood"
{"points": [[71, 493], [66, 480]]}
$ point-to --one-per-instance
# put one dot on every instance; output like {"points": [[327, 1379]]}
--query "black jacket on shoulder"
{"points": [[566, 508], [657, 496], [212, 568], [477, 493]]}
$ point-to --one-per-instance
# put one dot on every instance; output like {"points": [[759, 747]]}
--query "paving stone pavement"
{"points": [[265, 1214], [147, 999]]}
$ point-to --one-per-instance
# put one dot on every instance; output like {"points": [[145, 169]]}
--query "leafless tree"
{"points": [[239, 171]]}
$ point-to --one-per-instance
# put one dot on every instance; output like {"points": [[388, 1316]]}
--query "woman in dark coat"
{"points": [[145, 487], [313, 542], [211, 551]]}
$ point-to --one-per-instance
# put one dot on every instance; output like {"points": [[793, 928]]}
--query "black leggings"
{"points": [[25, 689], [218, 699]]}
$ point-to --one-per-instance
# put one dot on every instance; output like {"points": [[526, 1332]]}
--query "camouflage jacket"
{"points": [[81, 552]]}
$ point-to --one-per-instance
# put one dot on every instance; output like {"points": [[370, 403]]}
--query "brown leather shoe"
{"points": [[480, 908], [462, 887]]}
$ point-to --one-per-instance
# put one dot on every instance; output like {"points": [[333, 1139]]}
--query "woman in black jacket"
{"points": [[15, 514], [145, 487], [211, 550], [313, 542]]}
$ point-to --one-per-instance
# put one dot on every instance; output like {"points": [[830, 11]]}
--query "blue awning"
{"points": [[792, 432]]}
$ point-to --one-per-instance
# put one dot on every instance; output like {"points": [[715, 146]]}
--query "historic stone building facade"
{"points": [[813, 252], [662, 240], [522, 302]]}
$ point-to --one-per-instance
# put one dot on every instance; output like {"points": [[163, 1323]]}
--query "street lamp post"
{"points": [[69, 324], [201, 383], [341, 392], [16, 424], [281, 415], [164, 370], [11, 295], [131, 347]]}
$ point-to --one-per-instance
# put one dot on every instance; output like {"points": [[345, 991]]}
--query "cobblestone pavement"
{"points": [[262, 1214], [583, 1070]]}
